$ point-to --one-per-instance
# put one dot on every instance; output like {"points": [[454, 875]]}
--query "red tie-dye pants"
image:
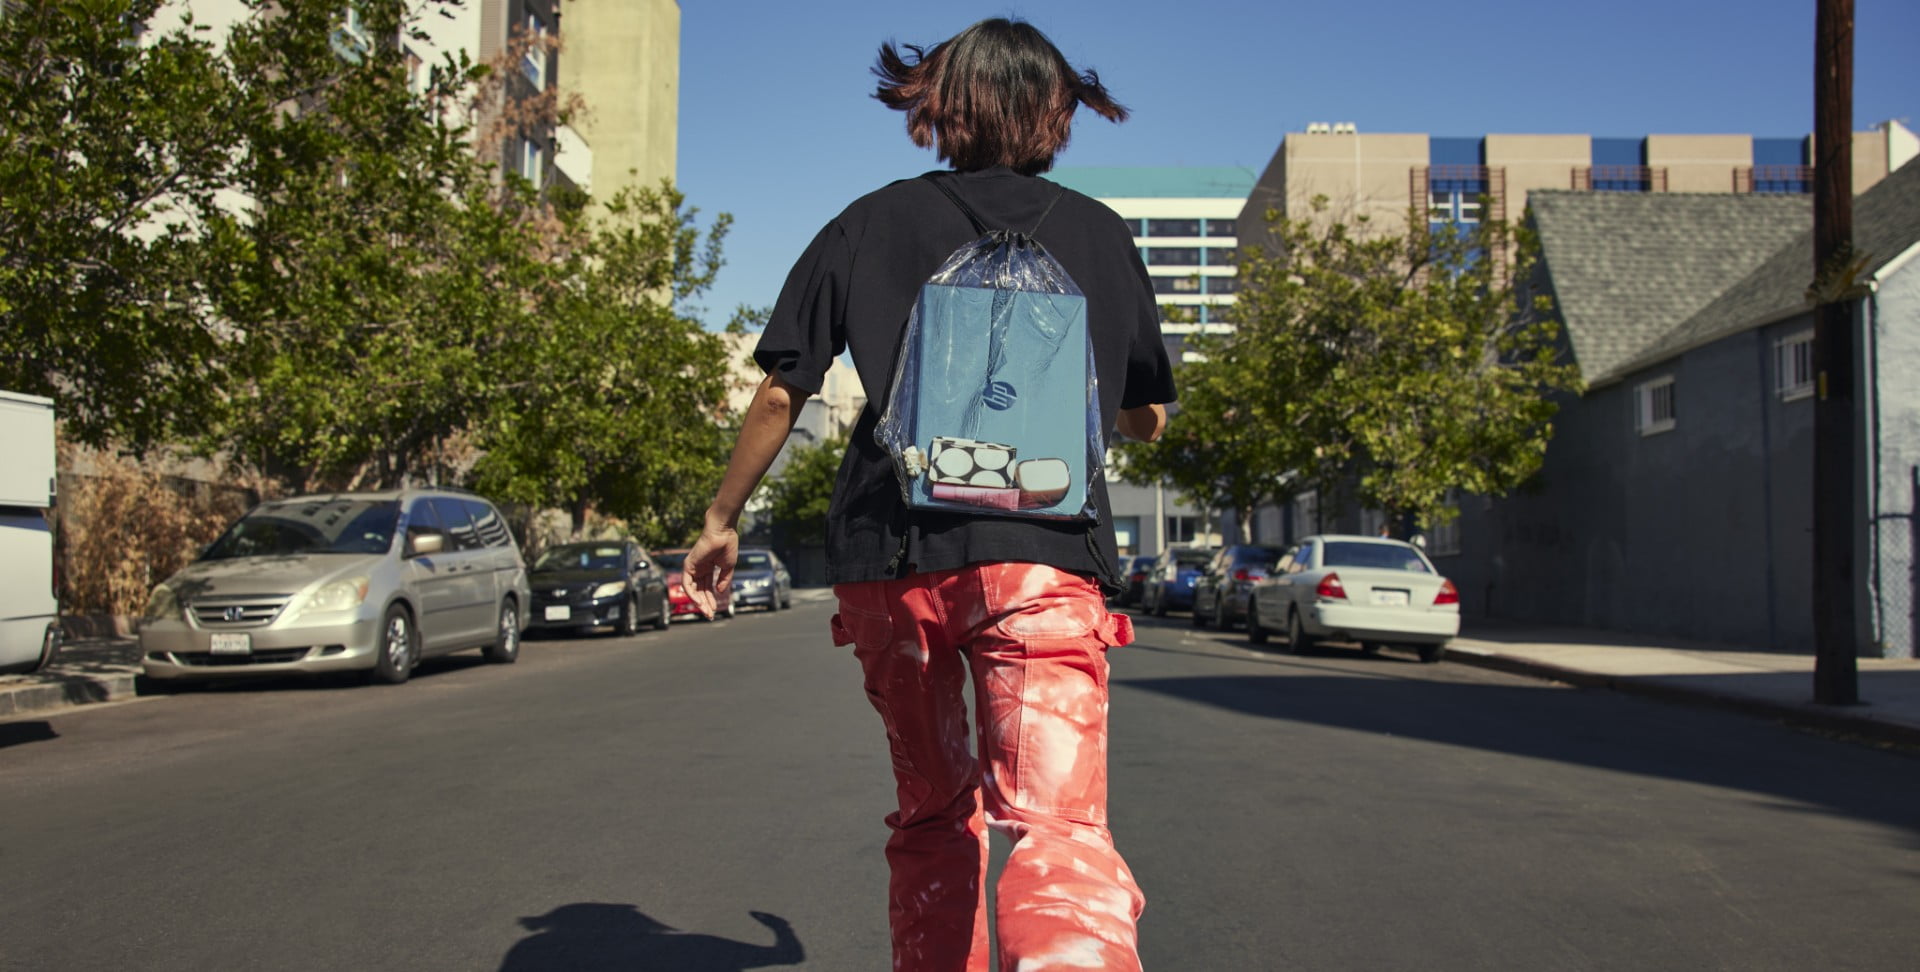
{"points": [[1035, 640]]}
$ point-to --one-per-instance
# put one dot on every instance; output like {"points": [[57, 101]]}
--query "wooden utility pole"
{"points": [[1835, 417]]}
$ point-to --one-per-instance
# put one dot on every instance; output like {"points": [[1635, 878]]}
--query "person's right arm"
{"points": [[1144, 423]]}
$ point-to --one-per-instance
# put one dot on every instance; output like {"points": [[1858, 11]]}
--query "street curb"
{"points": [[1803, 716], [54, 690]]}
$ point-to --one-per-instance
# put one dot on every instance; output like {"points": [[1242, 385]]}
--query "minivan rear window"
{"points": [[317, 526]]}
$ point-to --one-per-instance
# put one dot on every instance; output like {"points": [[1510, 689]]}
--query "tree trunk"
{"points": [[579, 513]]}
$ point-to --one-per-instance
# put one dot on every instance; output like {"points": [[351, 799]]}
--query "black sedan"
{"points": [[605, 583]]}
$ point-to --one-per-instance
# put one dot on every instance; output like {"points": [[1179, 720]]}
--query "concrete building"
{"points": [[1186, 223], [623, 57], [1676, 494], [1384, 176]]}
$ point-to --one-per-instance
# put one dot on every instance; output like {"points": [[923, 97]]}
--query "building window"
{"points": [[533, 160], [1219, 313], [1654, 406], [1176, 285], [1180, 313], [1223, 227], [1223, 256], [1182, 529], [534, 62], [1172, 256], [1222, 285], [1173, 227], [1793, 366]]}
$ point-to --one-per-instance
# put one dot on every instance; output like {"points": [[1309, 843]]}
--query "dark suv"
{"points": [[1220, 595]]}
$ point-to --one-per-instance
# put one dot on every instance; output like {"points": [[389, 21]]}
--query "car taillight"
{"points": [[1331, 588], [1248, 574], [1448, 594]]}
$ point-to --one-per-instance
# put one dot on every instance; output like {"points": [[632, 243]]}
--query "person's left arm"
{"points": [[763, 430]]}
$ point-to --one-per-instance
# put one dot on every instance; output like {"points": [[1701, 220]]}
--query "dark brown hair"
{"points": [[997, 93]]}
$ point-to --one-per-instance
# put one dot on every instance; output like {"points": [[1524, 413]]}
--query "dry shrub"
{"points": [[125, 524]]}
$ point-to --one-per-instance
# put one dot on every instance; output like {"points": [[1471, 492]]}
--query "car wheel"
{"points": [[1199, 617], [399, 647], [506, 638], [1221, 619], [1430, 653], [1298, 641], [666, 614], [1255, 633], [630, 618], [49, 647], [1159, 609]]}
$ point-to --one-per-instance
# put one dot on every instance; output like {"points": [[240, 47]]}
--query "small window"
{"points": [[1793, 366], [534, 62], [1223, 227], [533, 160], [1223, 285], [1176, 285], [1654, 406], [1222, 256], [1181, 529], [1173, 227], [488, 523], [1172, 256]]}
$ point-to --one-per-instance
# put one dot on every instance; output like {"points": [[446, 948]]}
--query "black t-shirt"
{"points": [[855, 287]]}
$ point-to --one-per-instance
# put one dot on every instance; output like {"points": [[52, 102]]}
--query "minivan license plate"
{"points": [[231, 644]]}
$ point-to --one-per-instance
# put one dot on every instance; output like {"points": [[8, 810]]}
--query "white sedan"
{"points": [[1349, 588]]}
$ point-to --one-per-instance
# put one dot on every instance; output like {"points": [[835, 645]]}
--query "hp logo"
{"points": [[999, 396], [235, 613]]}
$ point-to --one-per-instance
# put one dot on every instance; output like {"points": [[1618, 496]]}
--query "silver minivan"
{"points": [[344, 581]]}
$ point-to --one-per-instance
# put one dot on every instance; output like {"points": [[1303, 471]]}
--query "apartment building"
{"points": [[1384, 176], [1186, 223]]}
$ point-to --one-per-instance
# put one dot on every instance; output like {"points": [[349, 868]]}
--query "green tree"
{"points": [[797, 499], [1380, 368], [384, 276], [112, 151], [616, 400]]}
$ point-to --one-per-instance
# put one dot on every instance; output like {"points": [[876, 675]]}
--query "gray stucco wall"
{"points": [[1697, 532]]}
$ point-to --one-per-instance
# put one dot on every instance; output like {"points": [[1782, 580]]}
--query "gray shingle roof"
{"points": [[1886, 223], [1627, 268]]}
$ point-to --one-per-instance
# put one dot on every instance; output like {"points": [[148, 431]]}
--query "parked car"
{"points": [[340, 582], [1170, 583], [677, 597], [596, 584], [29, 600], [1368, 589], [1220, 594], [1135, 571], [760, 579]]}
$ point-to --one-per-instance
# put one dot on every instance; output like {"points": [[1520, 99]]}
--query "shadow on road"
{"points": [[16, 733], [1593, 729], [594, 936]]}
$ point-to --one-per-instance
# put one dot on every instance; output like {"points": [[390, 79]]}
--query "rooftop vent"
{"points": [[1318, 128], [1345, 128]]}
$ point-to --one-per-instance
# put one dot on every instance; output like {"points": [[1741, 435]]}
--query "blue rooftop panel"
{"points": [[1454, 151], [1157, 182]]}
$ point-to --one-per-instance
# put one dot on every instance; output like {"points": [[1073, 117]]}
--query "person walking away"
{"points": [[929, 595]]}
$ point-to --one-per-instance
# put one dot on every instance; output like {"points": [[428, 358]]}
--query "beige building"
{"points": [[1384, 176], [623, 57]]}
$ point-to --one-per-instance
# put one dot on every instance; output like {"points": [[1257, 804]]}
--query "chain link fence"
{"points": [[1896, 577]]}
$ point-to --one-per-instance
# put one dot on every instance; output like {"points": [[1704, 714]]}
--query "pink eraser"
{"points": [[997, 498]]}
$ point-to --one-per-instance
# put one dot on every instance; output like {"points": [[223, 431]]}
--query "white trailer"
{"points": [[29, 608]]}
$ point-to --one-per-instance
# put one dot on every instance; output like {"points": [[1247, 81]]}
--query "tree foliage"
{"points": [[797, 499], [297, 250], [112, 154], [1384, 369]]}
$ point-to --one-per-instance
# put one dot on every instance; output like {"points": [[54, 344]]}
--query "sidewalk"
{"points": [[87, 670], [1766, 684]]}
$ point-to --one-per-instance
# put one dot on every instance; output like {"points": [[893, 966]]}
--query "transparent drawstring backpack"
{"points": [[995, 405]]}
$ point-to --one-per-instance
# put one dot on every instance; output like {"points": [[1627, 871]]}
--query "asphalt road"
{"points": [[709, 798]]}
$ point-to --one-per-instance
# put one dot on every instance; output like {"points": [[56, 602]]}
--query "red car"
{"points": [[682, 603]]}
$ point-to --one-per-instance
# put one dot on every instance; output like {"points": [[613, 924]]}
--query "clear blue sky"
{"points": [[777, 126]]}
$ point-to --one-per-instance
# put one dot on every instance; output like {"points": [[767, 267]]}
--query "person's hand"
{"points": [[709, 567]]}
